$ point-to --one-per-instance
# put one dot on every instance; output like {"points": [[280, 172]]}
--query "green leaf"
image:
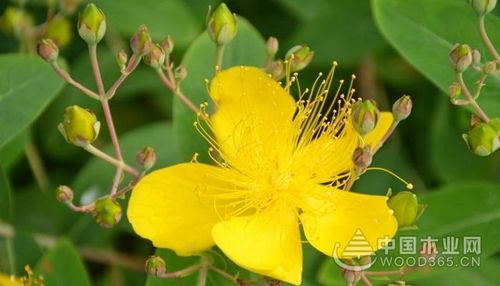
{"points": [[341, 30], [13, 150], [421, 32], [5, 197], [247, 48], [168, 17], [62, 266], [27, 85]]}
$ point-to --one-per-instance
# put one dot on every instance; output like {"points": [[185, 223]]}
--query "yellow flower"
{"points": [[280, 163], [6, 280]]}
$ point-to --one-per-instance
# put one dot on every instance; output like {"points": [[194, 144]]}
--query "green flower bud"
{"points": [[490, 67], [156, 57], [48, 50], [168, 45], [483, 139], [495, 124], [483, 7], [141, 43], [401, 109], [122, 59], [222, 25], [454, 90], [351, 277], [272, 46], [365, 116], [107, 212], [92, 24], [64, 194], [155, 265], [405, 207], [59, 30], [146, 158], [362, 157], [299, 57], [461, 57], [15, 20], [80, 126], [476, 57]]}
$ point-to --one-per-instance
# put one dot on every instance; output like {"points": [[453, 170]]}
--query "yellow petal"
{"points": [[331, 225], [253, 118], [6, 280], [385, 122], [267, 243], [169, 207]]}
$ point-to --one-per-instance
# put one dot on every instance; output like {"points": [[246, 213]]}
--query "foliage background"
{"points": [[393, 46]]}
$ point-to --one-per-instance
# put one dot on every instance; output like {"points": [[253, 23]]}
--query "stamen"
{"points": [[409, 186]]}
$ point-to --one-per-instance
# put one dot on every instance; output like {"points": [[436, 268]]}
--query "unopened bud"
{"points": [[146, 158], [141, 42], [490, 67], [362, 157], [365, 116], [64, 194], [483, 7], [222, 25], [406, 208], [476, 57], [48, 50], [155, 265], [80, 126], [156, 57], [495, 124], [107, 212], [401, 109], [299, 57], [168, 45], [122, 59], [272, 46], [59, 30], [351, 277], [461, 57], [15, 20], [483, 139], [277, 69], [180, 73], [454, 90], [92, 24]]}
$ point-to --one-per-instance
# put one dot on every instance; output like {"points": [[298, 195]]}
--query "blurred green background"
{"points": [[394, 47]]}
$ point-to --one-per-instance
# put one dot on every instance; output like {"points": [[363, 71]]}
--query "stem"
{"points": [[219, 57], [11, 255], [118, 163], [486, 39], [365, 280], [471, 99], [170, 84], [224, 274], [202, 276], [96, 70], [81, 209], [132, 65], [386, 136], [182, 273], [384, 273], [66, 77], [36, 165]]}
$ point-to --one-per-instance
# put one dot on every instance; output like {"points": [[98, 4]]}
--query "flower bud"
{"points": [[483, 139], [461, 57], [362, 157], [64, 194], [351, 277], [168, 45], [277, 69], [490, 67], [454, 90], [48, 50], [59, 30], [222, 25], [141, 42], [92, 24], [405, 207], [495, 124], [107, 212], [80, 126], [146, 158], [299, 57], [272, 46], [476, 57], [365, 116], [401, 109], [156, 57], [155, 265], [180, 73], [483, 7], [122, 59], [15, 20]]}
